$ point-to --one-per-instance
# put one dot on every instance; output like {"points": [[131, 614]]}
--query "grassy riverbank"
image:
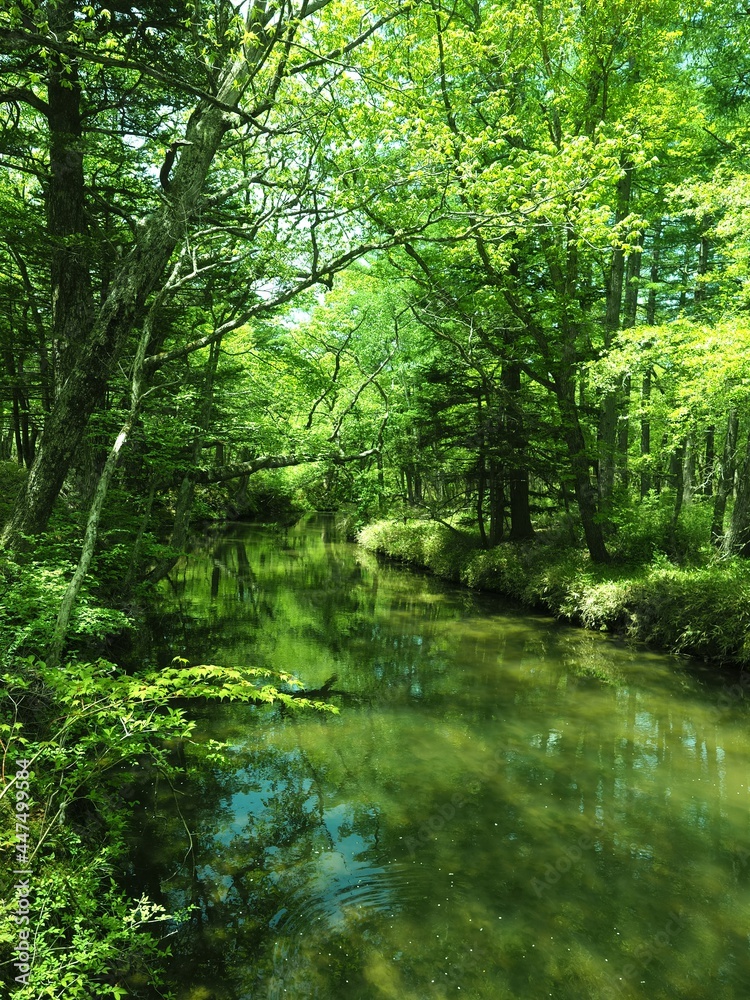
{"points": [[702, 611]]}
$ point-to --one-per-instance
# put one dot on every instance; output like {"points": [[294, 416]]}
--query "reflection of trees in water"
{"points": [[532, 724], [269, 850], [255, 578]]}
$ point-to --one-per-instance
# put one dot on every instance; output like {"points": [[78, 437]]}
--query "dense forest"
{"points": [[477, 271]]}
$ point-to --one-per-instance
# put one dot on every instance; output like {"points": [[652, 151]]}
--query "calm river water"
{"points": [[504, 808]]}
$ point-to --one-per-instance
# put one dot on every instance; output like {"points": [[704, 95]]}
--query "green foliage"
{"points": [[85, 727], [270, 495], [436, 547], [28, 610], [646, 527], [705, 612], [12, 477]]}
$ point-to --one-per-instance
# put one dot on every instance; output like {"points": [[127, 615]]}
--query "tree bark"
{"points": [[646, 480], [481, 472], [72, 294], [707, 486], [521, 527], [97, 505], [654, 275], [497, 503], [630, 313], [688, 471], [676, 469], [608, 421]]}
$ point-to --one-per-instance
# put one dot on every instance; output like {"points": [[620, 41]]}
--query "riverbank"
{"points": [[699, 611]]}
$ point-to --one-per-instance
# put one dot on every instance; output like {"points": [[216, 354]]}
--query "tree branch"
{"points": [[226, 472], [21, 95]]}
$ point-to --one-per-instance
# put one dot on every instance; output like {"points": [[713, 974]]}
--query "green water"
{"points": [[504, 808]]}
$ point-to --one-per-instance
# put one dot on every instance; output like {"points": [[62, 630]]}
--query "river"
{"points": [[505, 807]]}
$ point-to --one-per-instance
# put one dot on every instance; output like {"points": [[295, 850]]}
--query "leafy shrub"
{"points": [[29, 607], [643, 528], [705, 612], [428, 544], [270, 495], [646, 527], [503, 568], [82, 726]]}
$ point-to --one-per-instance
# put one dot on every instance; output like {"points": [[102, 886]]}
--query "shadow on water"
{"points": [[504, 808]]}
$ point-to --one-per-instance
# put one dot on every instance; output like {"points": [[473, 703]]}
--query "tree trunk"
{"points": [[518, 474], [725, 477], [481, 472], [497, 503], [676, 469], [654, 276], [606, 448], [97, 505], [608, 421], [72, 294], [704, 252], [623, 435], [381, 484], [630, 313], [707, 486], [89, 545], [585, 491], [632, 284], [646, 481], [688, 471], [737, 538]]}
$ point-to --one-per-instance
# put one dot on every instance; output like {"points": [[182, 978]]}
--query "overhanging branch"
{"points": [[224, 473]]}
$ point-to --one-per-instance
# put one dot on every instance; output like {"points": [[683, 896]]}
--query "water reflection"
{"points": [[504, 808]]}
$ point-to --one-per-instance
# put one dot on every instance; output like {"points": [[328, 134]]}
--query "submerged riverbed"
{"points": [[504, 808]]}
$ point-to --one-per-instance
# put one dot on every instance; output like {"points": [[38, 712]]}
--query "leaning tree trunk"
{"points": [[122, 310], [137, 393], [97, 505]]}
